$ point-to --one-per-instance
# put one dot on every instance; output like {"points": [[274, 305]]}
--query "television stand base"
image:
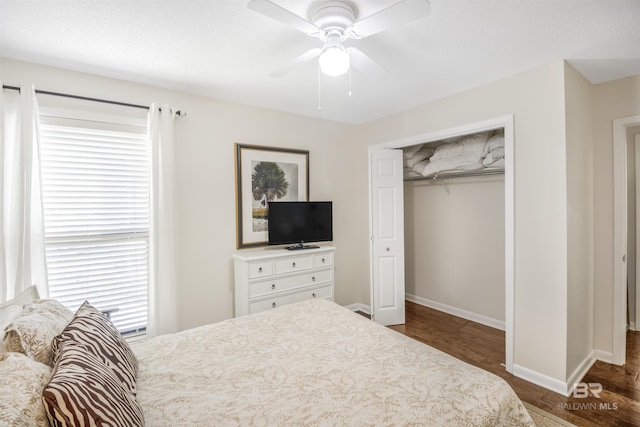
{"points": [[301, 246]]}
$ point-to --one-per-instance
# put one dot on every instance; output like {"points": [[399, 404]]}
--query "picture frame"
{"points": [[257, 165]]}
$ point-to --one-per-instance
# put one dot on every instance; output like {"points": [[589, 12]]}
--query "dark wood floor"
{"points": [[482, 346]]}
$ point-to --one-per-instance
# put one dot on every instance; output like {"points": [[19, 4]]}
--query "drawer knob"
{"points": [[313, 278], [293, 264], [260, 270], [323, 260], [273, 286], [313, 294], [273, 305]]}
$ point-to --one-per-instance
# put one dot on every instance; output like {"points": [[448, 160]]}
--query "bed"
{"points": [[310, 363]]}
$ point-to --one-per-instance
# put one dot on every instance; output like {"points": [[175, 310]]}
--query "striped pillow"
{"points": [[83, 391], [92, 329]]}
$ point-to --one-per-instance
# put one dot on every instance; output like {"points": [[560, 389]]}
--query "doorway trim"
{"points": [[620, 236], [505, 122]]}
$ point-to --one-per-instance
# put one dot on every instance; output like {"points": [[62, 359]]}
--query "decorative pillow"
{"points": [[21, 383], [11, 310], [83, 391], [93, 330], [32, 332]]}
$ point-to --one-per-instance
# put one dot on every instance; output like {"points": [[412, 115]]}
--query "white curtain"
{"points": [[22, 256], [163, 313]]}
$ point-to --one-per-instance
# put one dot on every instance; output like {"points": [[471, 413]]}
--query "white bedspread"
{"points": [[313, 363]]}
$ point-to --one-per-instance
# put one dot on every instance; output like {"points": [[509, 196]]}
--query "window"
{"points": [[95, 189]]}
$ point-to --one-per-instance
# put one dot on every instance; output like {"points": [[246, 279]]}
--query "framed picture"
{"points": [[265, 174]]}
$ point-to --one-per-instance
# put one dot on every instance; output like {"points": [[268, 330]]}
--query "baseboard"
{"points": [[604, 356], [555, 385], [359, 307], [474, 317], [542, 380], [579, 373]]}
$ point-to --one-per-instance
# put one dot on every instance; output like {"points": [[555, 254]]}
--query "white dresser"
{"points": [[269, 278]]}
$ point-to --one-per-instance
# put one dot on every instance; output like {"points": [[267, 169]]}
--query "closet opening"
{"points": [[457, 216], [454, 226]]}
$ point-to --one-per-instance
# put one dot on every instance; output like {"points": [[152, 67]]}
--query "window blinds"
{"points": [[95, 187]]}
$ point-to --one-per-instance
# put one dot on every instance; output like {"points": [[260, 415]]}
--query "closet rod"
{"points": [[446, 175], [179, 113]]}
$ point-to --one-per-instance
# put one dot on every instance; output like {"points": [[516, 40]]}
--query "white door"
{"points": [[387, 237]]}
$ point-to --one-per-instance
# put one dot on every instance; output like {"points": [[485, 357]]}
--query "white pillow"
{"points": [[421, 155], [10, 310], [471, 146], [25, 297], [493, 156], [409, 152], [494, 143]]}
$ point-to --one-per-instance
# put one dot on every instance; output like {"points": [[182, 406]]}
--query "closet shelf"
{"points": [[457, 174]]}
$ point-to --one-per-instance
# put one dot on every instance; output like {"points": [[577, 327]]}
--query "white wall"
{"points": [[580, 303], [455, 243], [206, 180], [612, 100]]}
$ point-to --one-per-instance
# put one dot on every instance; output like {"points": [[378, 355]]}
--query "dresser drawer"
{"points": [[261, 288], [293, 264], [321, 260], [321, 292], [260, 269]]}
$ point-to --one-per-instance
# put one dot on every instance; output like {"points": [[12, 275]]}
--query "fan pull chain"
{"points": [[319, 89], [350, 81]]}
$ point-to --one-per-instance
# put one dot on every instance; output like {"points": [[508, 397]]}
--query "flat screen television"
{"points": [[297, 223]]}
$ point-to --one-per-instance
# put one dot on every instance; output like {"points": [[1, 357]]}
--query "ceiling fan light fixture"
{"points": [[334, 61]]}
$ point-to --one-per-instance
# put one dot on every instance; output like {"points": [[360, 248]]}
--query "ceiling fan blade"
{"points": [[272, 10], [367, 66], [397, 14], [297, 62]]}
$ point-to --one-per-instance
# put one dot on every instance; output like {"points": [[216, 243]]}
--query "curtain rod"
{"points": [[179, 113]]}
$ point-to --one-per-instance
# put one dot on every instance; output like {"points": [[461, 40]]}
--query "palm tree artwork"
{"points": [[268, 182]]}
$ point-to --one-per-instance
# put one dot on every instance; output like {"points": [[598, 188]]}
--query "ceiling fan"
{"points": [[333, 22]]}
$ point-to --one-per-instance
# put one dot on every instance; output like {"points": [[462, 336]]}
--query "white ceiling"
{"points": [[222, 49]]}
